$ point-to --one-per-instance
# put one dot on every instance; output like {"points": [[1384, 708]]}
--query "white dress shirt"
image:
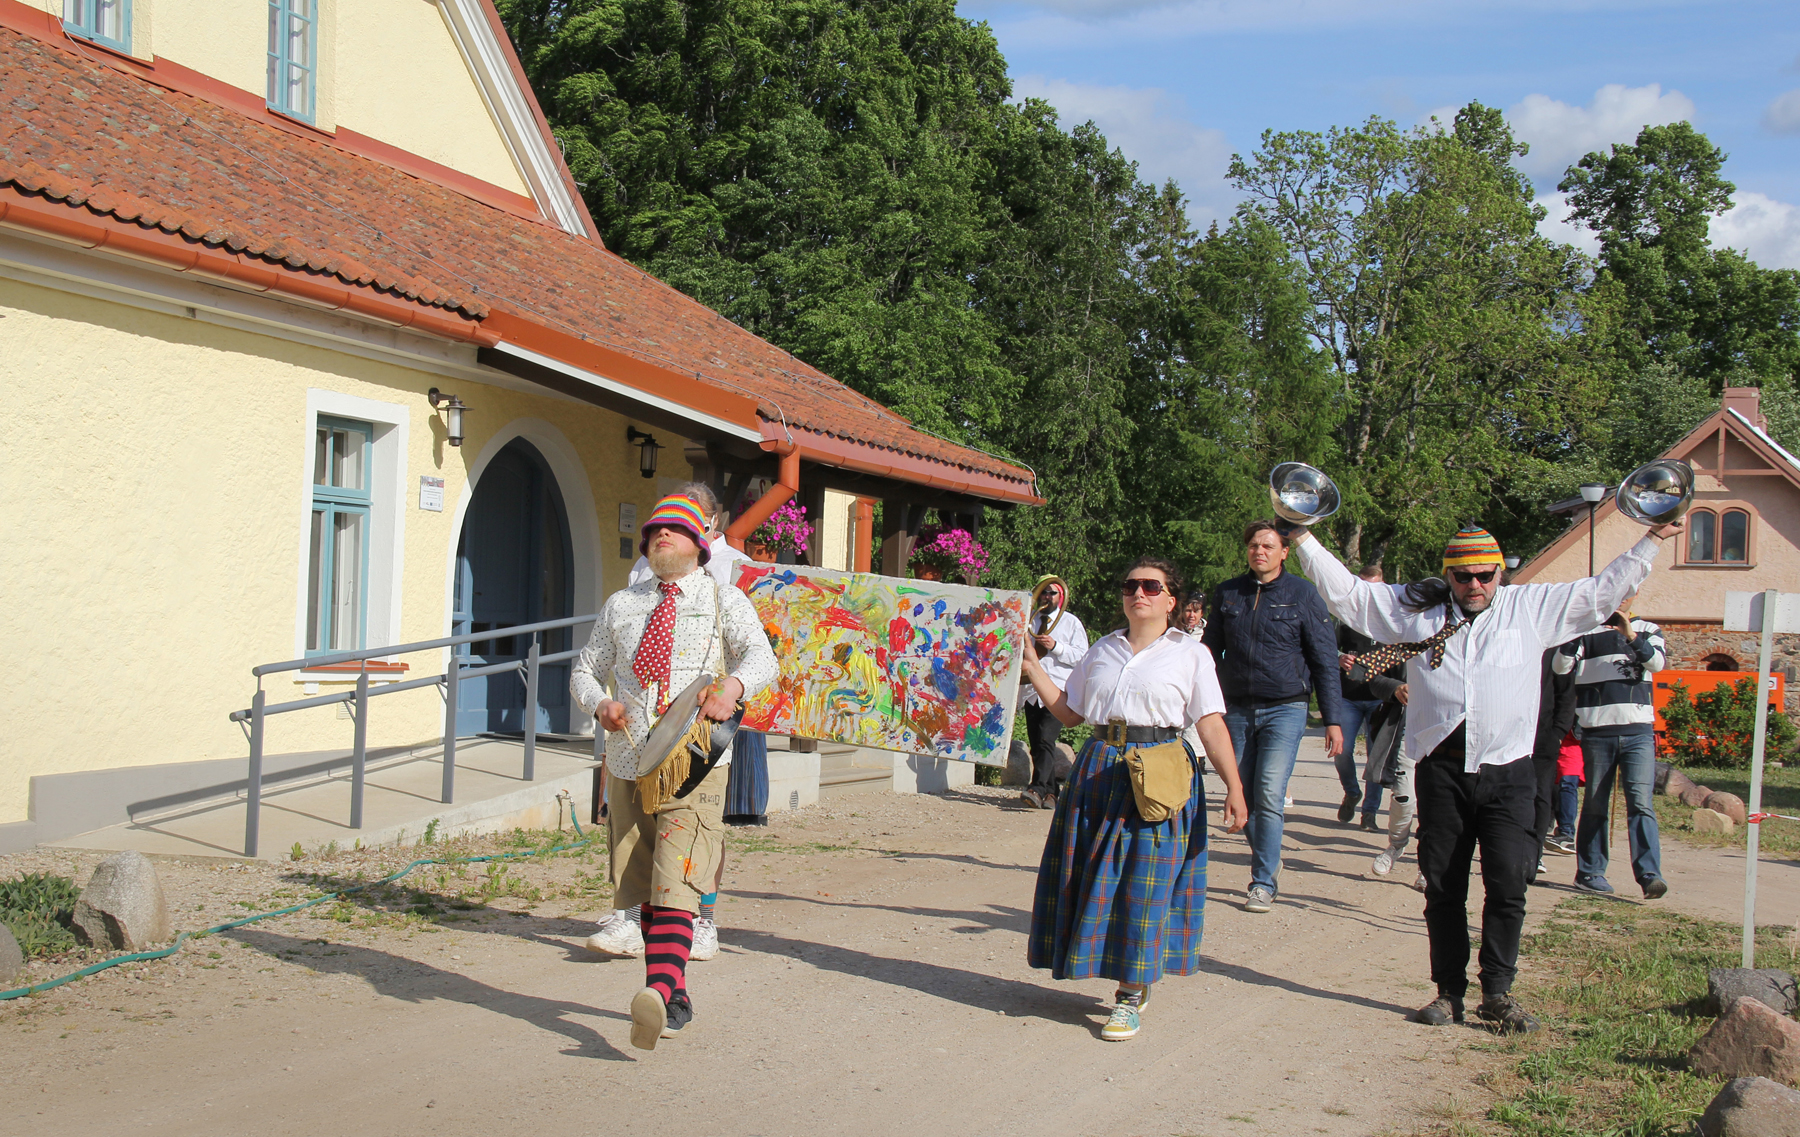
{"points": [[1071, 644], [1492, 670], [605, 663], [1170, 683]]}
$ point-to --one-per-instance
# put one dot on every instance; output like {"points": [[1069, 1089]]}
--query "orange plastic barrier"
{"points": [[1699, 682]]}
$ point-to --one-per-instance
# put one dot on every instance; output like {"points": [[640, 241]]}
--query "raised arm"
{"points": [[1372, 609], [1560, 612]]}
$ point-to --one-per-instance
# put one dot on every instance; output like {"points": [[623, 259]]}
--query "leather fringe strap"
{"points": [[656, 790]]}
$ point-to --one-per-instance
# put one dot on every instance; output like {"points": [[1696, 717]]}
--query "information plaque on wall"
{"points": [[628, 517], [431, 494]]}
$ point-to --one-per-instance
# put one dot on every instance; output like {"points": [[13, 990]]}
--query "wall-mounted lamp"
{"points": [[453, 412], [647, 448]]}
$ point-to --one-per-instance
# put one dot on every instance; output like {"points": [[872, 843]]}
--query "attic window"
{"points": [[293, 56], [103, 21], [1718, 537]]}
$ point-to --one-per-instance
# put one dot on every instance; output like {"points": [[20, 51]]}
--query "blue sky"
{"points": [[1181, 86]]}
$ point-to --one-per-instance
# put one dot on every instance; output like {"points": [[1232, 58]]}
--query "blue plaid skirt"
{"points": [[1118, 897]]}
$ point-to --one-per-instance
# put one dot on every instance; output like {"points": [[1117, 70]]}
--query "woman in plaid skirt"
{"points": [[1117, 896]]}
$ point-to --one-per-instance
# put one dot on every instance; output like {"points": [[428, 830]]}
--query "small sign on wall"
{"points": [[628, 517], [431, 494]]}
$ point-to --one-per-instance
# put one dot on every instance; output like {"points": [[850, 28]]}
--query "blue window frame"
{"points": [[103, 21], [337, 589], [293, 56]]}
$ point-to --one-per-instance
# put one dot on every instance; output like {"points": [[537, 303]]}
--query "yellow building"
{"points": [[311, 346]]}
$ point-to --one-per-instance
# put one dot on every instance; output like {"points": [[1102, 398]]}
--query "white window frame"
{"points": [[387, 511], [279, 62], [89, 29]]}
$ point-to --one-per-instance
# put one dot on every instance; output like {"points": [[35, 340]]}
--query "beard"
{"points": [[672, 565]]}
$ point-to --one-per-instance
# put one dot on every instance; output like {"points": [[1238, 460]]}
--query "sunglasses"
{"points": [[1472, 577], [1130, 585]]}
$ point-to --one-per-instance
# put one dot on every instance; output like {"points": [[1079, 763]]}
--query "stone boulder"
{"points": [[1708, 821], [1770, 985], [122, 906], [1730, 805], [1065, 762], [1749, 1041], [1694, 797], [1753, 1107], [1674, 783], [1018, 765], [12, 960]]}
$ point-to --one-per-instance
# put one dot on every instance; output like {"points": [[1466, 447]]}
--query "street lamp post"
{"points": [[1593, 493]]}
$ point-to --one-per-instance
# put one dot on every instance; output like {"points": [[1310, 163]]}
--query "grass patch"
{"points": [[1618, 987], [38, 909], [1781, 794]]}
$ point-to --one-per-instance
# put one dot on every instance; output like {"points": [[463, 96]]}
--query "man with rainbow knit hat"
{"points": [[1473, 652], [652, 640]]}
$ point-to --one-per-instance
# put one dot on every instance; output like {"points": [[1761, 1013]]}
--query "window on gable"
{"points": [[293, 56], [337, 590], [103, 21], [1734, 536], [1702, 527], [1718, 538]]}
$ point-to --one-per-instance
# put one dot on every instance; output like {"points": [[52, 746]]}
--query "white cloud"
{"points": [[1783, 115], [1763, 229], [1149, 127], [1560, 134]]}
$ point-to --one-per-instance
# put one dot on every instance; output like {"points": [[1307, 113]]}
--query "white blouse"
{"points": [[1170, 683]]}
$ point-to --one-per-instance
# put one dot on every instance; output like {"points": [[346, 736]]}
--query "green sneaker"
{"points": [[1124, 1021]]}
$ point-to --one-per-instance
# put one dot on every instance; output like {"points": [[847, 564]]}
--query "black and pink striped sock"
{"points": [[668, 941]]}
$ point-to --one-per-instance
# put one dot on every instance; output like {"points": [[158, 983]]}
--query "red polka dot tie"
{"points": [[652, 662]]}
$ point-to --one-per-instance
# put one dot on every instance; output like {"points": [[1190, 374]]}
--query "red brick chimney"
{"points": [[1747, 401]]}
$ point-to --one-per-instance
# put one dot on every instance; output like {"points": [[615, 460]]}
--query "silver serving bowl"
{"points": [[1301, 494]]}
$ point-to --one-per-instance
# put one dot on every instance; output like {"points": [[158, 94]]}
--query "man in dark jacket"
{"points": [[1274, 644], [1556, 717]]}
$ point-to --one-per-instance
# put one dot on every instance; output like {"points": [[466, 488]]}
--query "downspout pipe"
{"points": [[787, 484]]}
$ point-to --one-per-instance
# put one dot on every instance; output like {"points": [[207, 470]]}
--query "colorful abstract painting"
{"points": [[917, 666]]}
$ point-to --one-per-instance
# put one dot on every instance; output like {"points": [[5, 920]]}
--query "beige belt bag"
{"points": [[1162, 779]]}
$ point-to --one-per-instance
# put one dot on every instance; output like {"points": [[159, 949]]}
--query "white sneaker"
{"points": [[619, 934], [1384, 863], [706, 939], [1419, 883]]}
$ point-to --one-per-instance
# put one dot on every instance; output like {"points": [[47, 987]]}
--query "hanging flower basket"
{"points": [[786, 531], [948, 554]]}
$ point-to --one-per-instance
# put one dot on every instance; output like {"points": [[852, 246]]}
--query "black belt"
{"points": [[1116, 733]]}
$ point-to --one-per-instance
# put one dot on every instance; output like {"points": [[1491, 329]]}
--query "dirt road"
{"points": [[867, 990]]}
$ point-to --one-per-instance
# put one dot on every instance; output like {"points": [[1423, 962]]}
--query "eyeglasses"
{"points": [[1472, 577], [1130, 585]]}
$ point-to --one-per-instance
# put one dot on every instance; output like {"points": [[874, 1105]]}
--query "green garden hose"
{"points": [[164, 953]]}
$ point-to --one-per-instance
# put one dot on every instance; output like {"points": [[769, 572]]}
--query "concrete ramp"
{"points": [[400, 802]]}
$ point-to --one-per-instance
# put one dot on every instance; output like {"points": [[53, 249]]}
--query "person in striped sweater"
{"points": [[1612, 669]]}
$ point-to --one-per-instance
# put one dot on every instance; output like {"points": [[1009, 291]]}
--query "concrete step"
{"points": [[400, 800], [847, 770]]}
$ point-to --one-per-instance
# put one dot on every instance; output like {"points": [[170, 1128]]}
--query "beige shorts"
{"points": [[669, 858]]}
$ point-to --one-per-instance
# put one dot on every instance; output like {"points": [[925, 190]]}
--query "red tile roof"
{"points": [[78, 129]]}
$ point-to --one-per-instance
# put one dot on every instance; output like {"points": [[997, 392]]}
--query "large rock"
{"points": [[1710, 821], [1753, 1107], [1065, 762], [1770, 985], [1749, 1041], [12, 960], [1675, 784], [1660, 781], [122, 907], [1018, 765], [1730, 805], [1694, 797]]}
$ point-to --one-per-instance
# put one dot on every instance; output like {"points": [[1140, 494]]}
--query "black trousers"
{"points": [[1042, 730], [1544, 805], [1496, 808]]}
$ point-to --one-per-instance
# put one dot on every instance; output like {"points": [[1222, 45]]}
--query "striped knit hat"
{"points": [[677, 511], [1472, 546]]}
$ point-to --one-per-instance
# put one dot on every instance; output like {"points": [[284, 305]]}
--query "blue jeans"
{"points": [[1568, 798], [1267, 741], [1358, 715], [1634, 757]]}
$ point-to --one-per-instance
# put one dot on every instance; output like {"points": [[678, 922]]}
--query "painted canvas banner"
{"points": [[917, 666]]}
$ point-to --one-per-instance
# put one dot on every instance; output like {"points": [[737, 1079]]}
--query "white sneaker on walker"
{"points": [[1384, 863], [706, 939], [619, 934]]}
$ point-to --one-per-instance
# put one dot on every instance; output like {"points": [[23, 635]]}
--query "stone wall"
{"points": [[1690, 644]]}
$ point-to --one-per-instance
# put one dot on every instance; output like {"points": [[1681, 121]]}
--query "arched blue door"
{"points": [[513, 567]]}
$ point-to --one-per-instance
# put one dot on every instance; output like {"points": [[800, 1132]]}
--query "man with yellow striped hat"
{"points": [[1473, 652], [652, 640]]}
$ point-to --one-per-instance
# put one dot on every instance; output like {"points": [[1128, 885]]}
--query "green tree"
{"points": [[1454, 332]]}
